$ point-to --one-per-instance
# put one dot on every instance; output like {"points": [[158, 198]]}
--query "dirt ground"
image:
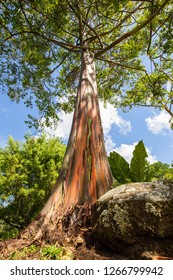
{"points": [[86, 247], [148, 249]]}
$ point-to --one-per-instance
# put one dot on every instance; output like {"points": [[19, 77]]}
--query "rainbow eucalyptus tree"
{"points": [[50, 53]]}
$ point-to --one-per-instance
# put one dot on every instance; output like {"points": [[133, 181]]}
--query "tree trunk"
{"points": [[85, 174]]}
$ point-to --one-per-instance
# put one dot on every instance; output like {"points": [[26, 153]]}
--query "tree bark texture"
{"points": [[87, 175]]}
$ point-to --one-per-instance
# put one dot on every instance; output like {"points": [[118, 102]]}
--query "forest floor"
{"points": [[79, 253], [85, 247], [78, 249]]}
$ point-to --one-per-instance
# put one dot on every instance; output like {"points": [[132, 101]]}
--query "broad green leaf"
{"points": [[138, 163], [119, 166]]}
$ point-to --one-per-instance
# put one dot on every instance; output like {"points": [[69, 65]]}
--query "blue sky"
{"points": [[122, 130]]}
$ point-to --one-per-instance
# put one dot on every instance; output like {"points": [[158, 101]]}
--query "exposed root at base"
{"points": [[72, 231], [58, 229]]}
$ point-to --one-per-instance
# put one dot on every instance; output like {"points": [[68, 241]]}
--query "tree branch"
{"points": [[24, 14], [97, 36], [61, 44], [162, 24], [167, 110], [64, 58], [6, 28], [115, 27], [151, 27], [161, 71], [119, 64], [80, 25], [147, 105], [156, 106], [132, 32]]}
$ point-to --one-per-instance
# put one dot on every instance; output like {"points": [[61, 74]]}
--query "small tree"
{"points": [[28, 172], [160, 171]]}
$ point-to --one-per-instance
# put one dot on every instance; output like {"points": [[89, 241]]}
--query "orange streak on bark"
{"points": [[88, 174]]}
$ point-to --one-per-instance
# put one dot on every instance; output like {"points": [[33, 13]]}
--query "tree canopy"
{"points": [[28, 172], [41, 45]]}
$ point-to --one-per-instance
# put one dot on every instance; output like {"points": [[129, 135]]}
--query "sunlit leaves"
{"points": [[150, 89], [42, 43], [28, 172]]}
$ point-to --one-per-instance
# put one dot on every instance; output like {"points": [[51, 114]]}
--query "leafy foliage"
{"points": [[40, 52], [28, 172], [159, 171], [139, 169]]}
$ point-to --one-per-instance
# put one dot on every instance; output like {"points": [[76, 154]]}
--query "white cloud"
{"points": [[151, 158], [159, 124], [63, 128], [109, 144], [126, 151], [110, 117]]}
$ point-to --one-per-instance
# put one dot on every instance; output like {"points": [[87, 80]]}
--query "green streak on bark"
{"points": [[89, 131], [87, 151]]}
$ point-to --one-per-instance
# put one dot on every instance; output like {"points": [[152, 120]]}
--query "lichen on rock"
{"points": [[134, 212]]}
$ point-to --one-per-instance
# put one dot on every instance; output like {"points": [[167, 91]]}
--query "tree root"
{"points": [[58, 229]]}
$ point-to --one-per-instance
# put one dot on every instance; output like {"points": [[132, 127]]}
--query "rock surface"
{"points": [[132, 213]]}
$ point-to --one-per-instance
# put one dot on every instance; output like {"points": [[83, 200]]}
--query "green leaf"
{"points": [[120, 167], [138, 163]]}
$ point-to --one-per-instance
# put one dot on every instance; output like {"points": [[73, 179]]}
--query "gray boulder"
{"points": [[132, 213]]}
